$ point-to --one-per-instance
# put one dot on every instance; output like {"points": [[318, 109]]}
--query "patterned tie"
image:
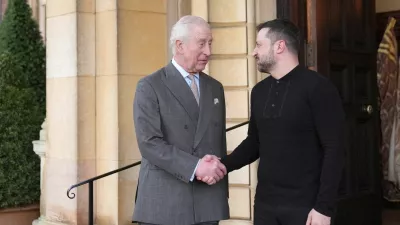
{"points": [[194, 88]]}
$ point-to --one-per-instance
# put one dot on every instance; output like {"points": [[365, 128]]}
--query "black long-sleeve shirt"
{"points": [[297, 130]]}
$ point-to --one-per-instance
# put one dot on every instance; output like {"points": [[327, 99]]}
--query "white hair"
{"points": [[181, 29]]}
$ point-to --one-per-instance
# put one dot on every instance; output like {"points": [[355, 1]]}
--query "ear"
{"points": [[179, 46], [280, 46]]}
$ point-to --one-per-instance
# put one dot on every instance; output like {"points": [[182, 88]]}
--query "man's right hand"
{"points": [[210, 166]]}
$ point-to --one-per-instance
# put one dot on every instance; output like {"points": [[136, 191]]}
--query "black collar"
{"points": [[288, 76]]}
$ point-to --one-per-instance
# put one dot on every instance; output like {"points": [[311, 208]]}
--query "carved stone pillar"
{"points": [[39, 147]]}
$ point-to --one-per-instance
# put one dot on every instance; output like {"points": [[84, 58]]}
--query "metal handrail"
{"points": [[91, 180], [237, 126]]}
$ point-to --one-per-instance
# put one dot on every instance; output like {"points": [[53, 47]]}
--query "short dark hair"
{"points": [[282, 29]]}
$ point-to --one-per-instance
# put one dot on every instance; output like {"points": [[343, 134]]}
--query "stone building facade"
{"points": [[97, 50]]}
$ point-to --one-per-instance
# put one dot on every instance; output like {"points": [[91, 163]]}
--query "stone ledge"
{"points": [[44, 221], [19, 209], [235, 222], [19, 215]]}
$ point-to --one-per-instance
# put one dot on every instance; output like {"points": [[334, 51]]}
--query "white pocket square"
{"points": [[216, 101]]}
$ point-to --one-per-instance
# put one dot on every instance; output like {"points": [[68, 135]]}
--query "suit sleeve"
{"points": [[248, 151], [329, 119], [150, 137]]}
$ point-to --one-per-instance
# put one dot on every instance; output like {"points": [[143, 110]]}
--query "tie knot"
{"points": [[191, 76]]}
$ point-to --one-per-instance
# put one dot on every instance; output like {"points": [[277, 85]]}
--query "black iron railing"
{"points": [[91, 180]]}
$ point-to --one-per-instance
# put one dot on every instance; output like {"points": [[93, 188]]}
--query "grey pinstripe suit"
{"points": [[173, 133]]}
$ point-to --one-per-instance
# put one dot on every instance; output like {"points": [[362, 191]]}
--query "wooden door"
{"points": [[343, 34], [346, 53]]}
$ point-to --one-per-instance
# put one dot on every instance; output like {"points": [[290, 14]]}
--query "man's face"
{"points": [[264, 52], [197, 49]]}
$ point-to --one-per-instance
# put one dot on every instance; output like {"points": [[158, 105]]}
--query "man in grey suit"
{"points": [[179, 115]]}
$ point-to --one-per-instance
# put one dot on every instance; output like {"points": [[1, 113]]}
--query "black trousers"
{"points": [[267, 215]]}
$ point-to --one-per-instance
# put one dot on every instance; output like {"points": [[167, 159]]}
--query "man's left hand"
{"points": [[316, 218]]}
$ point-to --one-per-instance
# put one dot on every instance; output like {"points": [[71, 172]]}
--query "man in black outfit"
{"points": [[296, 129]]}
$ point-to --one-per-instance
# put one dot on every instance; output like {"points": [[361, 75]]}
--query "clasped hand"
{"points": [[210, 170]]}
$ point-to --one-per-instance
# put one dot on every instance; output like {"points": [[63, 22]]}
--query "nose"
{"points": [[254, 53], [207, 50]]}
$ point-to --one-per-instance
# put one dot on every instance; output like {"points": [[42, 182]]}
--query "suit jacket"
{"points": [[173, 133]]}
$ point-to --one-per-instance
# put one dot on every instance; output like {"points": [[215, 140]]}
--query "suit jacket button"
{"points": [[186, 127]]}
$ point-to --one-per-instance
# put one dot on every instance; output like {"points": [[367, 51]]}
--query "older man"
{"points": [[179, 115]]}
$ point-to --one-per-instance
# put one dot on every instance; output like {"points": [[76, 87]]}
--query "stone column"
{"points": [[39, 147], [35, 9], [175, 10], [200, 8], [42, 18], [265, 10], [3, 7], [70, 145], [234, 68], [131, 42], [233, 65]]}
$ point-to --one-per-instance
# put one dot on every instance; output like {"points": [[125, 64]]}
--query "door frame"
{"points": [[303, 14], [296, 11]]}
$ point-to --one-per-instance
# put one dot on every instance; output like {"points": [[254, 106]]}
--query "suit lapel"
{"points": [[179, 88], [206, 107]]}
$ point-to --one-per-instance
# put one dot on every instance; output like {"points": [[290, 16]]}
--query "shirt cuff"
{"points": [[324, 209], [194, 172]]}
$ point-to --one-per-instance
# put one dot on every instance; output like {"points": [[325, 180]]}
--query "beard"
{"points": [[266, 63]]}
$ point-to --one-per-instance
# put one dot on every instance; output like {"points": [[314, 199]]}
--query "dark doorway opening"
{"points": [[341, 43]]}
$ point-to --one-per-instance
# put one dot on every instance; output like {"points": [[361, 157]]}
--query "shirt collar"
{"points": [[182, 71], [289, 75]]}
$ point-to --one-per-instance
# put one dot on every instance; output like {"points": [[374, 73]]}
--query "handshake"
{"points": [[210, 170]]}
